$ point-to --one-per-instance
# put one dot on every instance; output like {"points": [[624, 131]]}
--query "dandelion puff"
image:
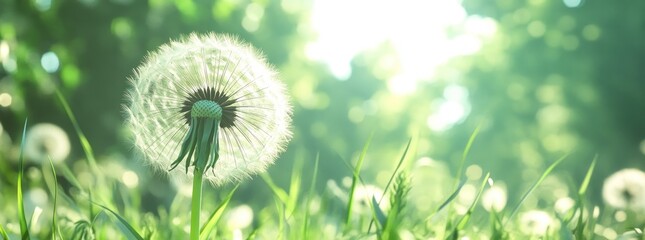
{"points": [[625, 189], [494, 199], [208, 77], [536, 223], [45, 140]]}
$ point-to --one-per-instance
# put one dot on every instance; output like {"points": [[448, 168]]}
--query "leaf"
{"points": [[24, 229], [215, 217], [546, 172], [460, 169], [310, 195], [129, 230], [378, 214], [355, 179]]}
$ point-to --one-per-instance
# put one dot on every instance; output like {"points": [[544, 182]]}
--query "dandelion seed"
{"points": [[45, 140], [211, 102], [625, 189]]}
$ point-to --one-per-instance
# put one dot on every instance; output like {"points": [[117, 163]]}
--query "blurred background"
{"points": [[540, 78]]}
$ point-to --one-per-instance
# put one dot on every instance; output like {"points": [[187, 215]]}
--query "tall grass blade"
{"points": [[54, 190], [129, 230], [585, 183], [546, 173], [87, 148], [355, 179], [380, 216], [310, 195], [24, 229], [3, 233], [460, 169], [464, 220], [389, 181], [294, 186], [452, 196], [216, 216], [277, 191]]}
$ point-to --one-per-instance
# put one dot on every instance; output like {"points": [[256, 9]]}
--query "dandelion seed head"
{"points": [[494, 199], [45, 140], [536, 222], [625, 189], [202, 76]]}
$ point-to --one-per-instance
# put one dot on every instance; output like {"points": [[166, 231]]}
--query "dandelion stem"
{"points": [[196, 204]]}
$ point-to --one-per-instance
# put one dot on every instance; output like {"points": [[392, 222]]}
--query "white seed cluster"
{"points": [[170, 76]]}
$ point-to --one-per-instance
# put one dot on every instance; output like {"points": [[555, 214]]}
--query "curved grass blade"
{"points": [[3, 233], [460, 169], [355, 179], [24, 229], [87, 148], [585, 183], [128, 228], [215, 217], [546, 172], [389, 182], [310, 195], [380, 216], [462, 223], [54, 190]]}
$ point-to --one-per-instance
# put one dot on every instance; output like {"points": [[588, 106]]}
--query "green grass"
{"points": [[299, 210]]}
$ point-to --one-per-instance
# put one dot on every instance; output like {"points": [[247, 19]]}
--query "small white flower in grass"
{"points": [[45, 140], [536, 222], [625, 189], [212, 102]]}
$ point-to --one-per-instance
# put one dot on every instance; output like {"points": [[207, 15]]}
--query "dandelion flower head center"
{"points": [[206, 109], [226, 103]]}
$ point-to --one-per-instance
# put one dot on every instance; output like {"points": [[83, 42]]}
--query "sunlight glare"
{"points": [[423, 35]]}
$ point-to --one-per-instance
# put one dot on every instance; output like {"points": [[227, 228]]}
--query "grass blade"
{"points": [[462, 223], [294, 186], [355, 179], [310, 195], [3, 233], [460, 169], [546, 172], [389, 182], [87, 148], [277, 191], [452, 196], [585, 183], [215, 217], [54, 192], [24, 229], [130, 230], [379, 215]]}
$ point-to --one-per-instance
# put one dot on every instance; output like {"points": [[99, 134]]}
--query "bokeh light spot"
{"points": [[572, 3], [50, 62], [536, 29], [591, 32], [4, 50], [122, 28], [5, 100], [43, 5], [130, 179]]}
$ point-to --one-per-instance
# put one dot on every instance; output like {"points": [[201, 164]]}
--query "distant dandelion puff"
{"points": [[625, 189], [45, 140], [187, 82], [536, 222]]}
